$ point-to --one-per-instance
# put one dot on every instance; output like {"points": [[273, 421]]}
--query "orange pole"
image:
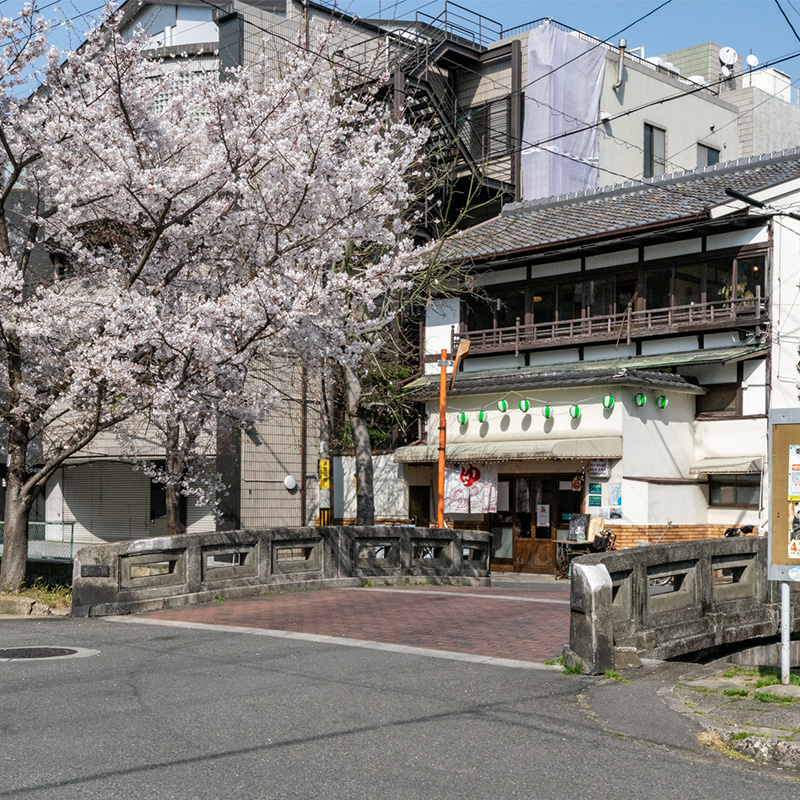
{"points": [[442, 433]]}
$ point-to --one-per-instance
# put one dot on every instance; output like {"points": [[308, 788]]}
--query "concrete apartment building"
{"points": [[474, 84]]}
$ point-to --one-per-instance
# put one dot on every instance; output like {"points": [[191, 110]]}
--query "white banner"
{"points": [[470, 488]]}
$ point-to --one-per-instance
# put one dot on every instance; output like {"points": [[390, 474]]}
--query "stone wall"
{"points": [[168, 572]]}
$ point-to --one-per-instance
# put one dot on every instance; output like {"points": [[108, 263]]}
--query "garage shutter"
{"points": [[107, 501]]}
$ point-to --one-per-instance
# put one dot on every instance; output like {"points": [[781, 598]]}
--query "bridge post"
{"points": [[591, 633]]}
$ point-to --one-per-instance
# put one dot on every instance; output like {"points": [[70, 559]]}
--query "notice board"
{"points": [[784, 499]]}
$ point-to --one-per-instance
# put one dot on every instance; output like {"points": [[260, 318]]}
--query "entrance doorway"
{"points": [[419, 504], [533, 513]]}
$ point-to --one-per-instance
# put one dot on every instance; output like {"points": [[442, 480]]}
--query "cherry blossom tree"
{"points": [[161, 231]]}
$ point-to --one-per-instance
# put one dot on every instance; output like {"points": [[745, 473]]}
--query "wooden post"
{"points": [[442, 434]]}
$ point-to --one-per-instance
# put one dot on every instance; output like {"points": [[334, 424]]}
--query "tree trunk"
{"points": [[365, 490], [174, 467], [18, 507]]}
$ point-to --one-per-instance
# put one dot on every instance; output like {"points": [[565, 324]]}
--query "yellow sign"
{"points": [[324, 473]]}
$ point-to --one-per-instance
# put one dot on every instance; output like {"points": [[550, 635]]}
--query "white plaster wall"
{"points": [[738, 238], [672, 249], [730, 438], [481, 363], [785, 314], [605, 351], [440, 316], [391, 491], [680, 345], [613, 259], [754, 387], [558, 268], [515, 425], [501, 276], [658, 443]]}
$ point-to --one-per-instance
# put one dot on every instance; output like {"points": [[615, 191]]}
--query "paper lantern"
{"points": [[462, 417], [547, 412], [483, 416], [662, 401], [524, 405], [608, 401], [574, 412], [502, 405], [640, 400]]}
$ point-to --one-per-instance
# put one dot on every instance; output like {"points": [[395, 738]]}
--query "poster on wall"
{"points": [[543, 516], [615, 494], [595, 500], [598, 468], [470, 488], [794, 472]]}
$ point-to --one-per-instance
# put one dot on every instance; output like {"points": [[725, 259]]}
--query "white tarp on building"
{"points": [[556, 102]]}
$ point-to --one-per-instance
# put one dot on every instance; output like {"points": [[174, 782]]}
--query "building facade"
{"points": [[625, 351]]}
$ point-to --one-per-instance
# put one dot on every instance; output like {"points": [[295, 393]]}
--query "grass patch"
{"points": [[219, 598], [770, 697], [735, 692], [772, 678], [613, 675], [368, 584], [739, 735], [573, 669], [559, 660], [423, 582], [714, 740], [740, 672], [58, 596]]}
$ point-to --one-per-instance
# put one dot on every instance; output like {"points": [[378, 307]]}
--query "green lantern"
{"points": [[502, 405], [462, 417], [608, 401], [547, 412], [662, 401], [483, 416], [524, 406], [574, 412], [640, 400]]}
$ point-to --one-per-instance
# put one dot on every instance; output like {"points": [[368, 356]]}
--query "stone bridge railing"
{"points": [[167, 572], [672, 600]]}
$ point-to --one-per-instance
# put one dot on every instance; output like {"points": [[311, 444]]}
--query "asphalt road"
{"points": [[171, 712]]}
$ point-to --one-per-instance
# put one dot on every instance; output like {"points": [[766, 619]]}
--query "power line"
{"points": [[788, 21]]}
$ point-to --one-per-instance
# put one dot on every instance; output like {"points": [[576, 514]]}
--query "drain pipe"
{"points": [[623, 43]]}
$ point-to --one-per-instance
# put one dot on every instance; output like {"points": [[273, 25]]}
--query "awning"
{"points": [[727, 466], [605, 447]]}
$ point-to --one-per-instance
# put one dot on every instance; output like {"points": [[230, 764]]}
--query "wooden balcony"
{"points": [[623, 327]]}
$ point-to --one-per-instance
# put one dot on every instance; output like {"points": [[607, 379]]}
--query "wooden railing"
{"points": [[622, 327]]}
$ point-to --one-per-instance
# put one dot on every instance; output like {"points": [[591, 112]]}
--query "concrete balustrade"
{"points": [[672, 600], [168, 572]]}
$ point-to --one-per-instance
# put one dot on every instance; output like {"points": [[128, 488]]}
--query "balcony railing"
{"points": [[625, 326]]}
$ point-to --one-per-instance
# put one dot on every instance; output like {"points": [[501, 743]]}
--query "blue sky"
{"points": [[746, 25]]}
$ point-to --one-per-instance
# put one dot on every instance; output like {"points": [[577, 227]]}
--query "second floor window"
{"points": [[655, 151], [707, 156]]}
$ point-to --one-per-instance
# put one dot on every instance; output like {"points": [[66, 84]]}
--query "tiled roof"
{"points": [[641, 371], [678, 198]]}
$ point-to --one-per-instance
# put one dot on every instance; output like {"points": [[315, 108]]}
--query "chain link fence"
{"points": [[48, 541]]}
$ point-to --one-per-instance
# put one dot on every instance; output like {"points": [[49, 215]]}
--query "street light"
{"points": [[463, 349]]}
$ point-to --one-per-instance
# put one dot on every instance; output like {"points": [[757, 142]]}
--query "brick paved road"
{"points": [[500, 621]]}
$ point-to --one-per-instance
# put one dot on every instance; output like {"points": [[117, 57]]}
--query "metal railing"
{"points": [[48, 541], [623, 326]]}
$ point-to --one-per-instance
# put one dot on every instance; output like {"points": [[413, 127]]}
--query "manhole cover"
{"points": [[14, 653]]}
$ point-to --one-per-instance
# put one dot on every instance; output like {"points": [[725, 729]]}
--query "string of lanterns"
{"points": [[574, 410]]}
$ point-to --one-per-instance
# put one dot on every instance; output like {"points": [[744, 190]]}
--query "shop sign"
{"points": [[598, 468]]}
